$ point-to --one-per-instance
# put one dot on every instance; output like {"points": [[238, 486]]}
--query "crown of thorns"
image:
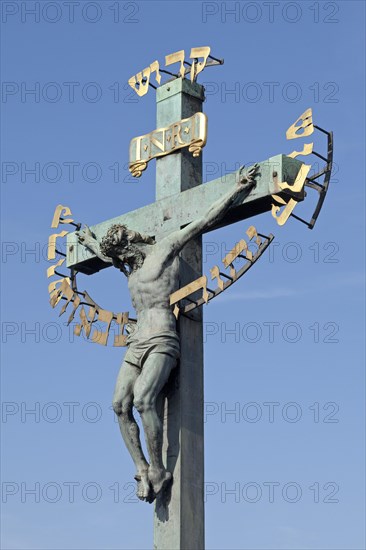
{"points": [[114, 240]]}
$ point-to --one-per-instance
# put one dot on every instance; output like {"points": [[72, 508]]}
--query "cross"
{"points": [[181, 198]]}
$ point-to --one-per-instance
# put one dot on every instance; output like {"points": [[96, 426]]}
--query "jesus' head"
{"points": [[120, 244]]}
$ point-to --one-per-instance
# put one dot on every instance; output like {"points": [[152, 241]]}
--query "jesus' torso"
{"points": [[150, 287]]}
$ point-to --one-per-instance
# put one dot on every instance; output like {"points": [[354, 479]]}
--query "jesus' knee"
{"points": [[122, 407], [144, 403]]}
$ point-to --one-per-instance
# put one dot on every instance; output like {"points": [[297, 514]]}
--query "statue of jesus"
{"points": [[153, 342]]}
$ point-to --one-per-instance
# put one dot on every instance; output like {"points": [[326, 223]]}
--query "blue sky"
{"points": [[296, 473]]}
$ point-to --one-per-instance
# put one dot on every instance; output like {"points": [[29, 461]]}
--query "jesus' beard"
{"points": [[129, 255]]}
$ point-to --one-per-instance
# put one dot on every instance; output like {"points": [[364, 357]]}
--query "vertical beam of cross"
{"points": [[179, 521]]}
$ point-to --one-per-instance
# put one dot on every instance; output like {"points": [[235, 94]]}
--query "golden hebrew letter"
{"points": [[120, 340], [78, 328], [102, 337], [175, 58], [189, 289], [84, 321], [85, 324], [252, 232], [215, 274], [69, 293], [76, 303], [198, 66], [306, 126], [279, 199], [56, 293], [51, 253], [52, 286], [307, 150], [93, 307], [140, 82], [285, 214], [298, 184], [61, 211], [234, 253], [154, 68], [51, 269], [92, 313]]}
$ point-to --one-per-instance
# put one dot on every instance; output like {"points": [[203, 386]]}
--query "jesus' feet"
{"points": [[144, 490], [159, 480]]}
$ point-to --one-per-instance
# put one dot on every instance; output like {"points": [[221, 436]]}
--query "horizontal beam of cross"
{"points": [[178, 210]]}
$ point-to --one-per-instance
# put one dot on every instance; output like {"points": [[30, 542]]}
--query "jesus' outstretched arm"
{"points": [[86, 238], [177, 240]]}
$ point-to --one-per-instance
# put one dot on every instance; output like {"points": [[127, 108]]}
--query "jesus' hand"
{"points": [[85, 236], [87, 239], [247, 177]]}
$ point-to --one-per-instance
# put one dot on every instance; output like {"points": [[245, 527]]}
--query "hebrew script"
{"points": [[61, 211], [304, 129], [187, 290]]}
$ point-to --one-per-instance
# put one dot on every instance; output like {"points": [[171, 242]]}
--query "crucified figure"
{"points": [[152, 270]]}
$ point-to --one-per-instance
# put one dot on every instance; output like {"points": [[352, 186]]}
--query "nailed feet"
{"points": [[143, 486], [151, 482]]}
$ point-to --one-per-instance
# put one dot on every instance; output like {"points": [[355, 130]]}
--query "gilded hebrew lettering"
{"points": [[53, 284], [198, 66], [140, 82], [75, 304], [215, 274], [176, 57], [306, 128], [307, 150], [299, 182], [93, 307], [51, 269], [252, 232], [61, 211], [51, 253], [85, 324], [101, 337], [189, 289], [279, 199], [120, 339], [56, 293], [69, 294], [233, 254], [154, 68], [286, 212]]}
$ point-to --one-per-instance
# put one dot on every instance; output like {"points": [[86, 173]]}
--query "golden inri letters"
{"points": [[189, 132]]}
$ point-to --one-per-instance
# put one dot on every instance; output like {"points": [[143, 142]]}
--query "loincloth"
{"points": [[140, 347]]}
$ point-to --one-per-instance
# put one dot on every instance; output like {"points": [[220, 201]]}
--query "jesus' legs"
{"points": [[148, 386], [122, 405]]}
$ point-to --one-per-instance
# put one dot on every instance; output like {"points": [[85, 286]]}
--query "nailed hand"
{"points": [[247, 177], [85, 236]]}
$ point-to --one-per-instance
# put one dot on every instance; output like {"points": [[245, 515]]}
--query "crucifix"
{"points": [[159, 248]]}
